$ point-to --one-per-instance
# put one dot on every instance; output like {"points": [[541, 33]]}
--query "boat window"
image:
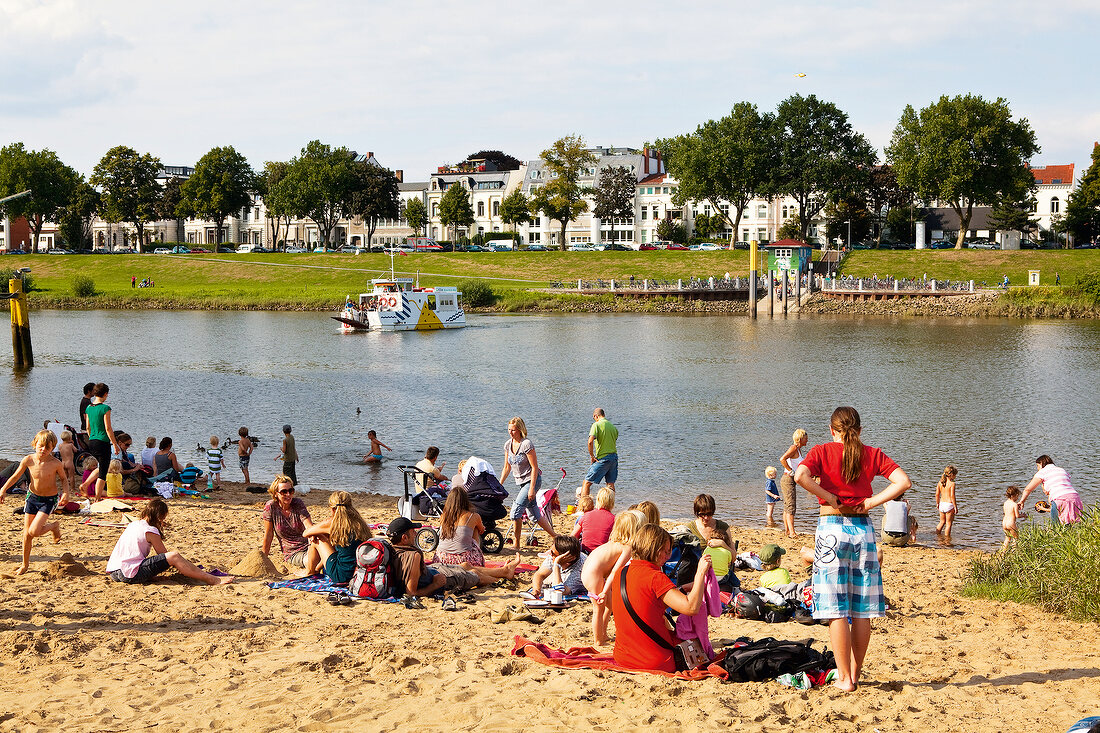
{"points": [[431, 302]]}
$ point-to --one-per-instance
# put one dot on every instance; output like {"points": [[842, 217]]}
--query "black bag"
{"points": [[767, 658], [683, 562]]}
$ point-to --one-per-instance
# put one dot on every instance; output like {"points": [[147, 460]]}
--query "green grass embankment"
{"points": [[1055, 568], [1075, 297]]}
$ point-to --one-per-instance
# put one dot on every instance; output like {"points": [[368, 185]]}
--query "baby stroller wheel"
{"points": [[492, 541], [426, 539]]}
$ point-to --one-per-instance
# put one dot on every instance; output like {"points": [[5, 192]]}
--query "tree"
{"points": [[791, 229], [1013, 216], [901, 222], [562, 197], [416, 215], [817, 156], [848, 219], [1083, 207], [272, 186], [374, 197], [51, 183], [515, 209], [503, 161], [883, 195], [965, 151], [706, 225], [724, 160], [455, 210], [318, 185], [128, 187], [670, 231], [222, 185], [173, 206], [76, 217], [614, 194]]}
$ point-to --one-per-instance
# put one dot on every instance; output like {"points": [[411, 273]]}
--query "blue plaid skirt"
{"points": [[847, 579]]}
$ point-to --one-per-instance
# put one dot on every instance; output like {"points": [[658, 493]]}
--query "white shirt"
{"points": [[132, 548]]}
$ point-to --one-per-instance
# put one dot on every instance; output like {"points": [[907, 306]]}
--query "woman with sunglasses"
{"points": [[287, 518]]}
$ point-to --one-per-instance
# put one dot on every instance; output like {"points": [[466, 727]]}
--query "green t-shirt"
{"points": [[720, 559], [97, 429], [772, 578], [605, 434]]}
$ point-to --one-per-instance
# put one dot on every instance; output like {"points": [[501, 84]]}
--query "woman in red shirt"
{"points": [[650, 593], [847, 580]]}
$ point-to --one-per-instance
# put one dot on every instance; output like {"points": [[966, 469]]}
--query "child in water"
{"points": [[376, 446], [1012, 516], [771, 495], [945, 501]]}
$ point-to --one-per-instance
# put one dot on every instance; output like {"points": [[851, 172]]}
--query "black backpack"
{"points": [[767, 658]]}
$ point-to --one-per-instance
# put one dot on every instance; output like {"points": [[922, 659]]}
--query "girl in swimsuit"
{"points": [[945, 501]]}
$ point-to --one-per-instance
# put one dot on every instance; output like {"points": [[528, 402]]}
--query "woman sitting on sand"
{"points": [[705, 524], [165, 465], [130, 561], [460, 530], [337, 538], [650, 592], [285, 517]]}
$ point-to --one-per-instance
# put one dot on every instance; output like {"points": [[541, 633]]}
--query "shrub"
{"points": [[1087, 286], [83, 286], [9, 273], [1054, 567], [477, 293]]}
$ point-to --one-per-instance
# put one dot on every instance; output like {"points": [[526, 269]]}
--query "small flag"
{"points": [[402, 253]]}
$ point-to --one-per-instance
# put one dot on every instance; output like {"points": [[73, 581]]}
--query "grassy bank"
{"points": [[1057, 569], [321, 281], [979, 265]]}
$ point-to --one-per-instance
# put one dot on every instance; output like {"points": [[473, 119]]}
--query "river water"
{"points": [[702, 403]]}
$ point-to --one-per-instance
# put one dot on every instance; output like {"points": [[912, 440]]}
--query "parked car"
{"points": [[476, 248], [581, 247], [677, 246], [162, 251], [647, 247], [293, 250], [59, 251], [741, 245], [536, 248], [179, 249], [707, 247], [199, 251], [942, 244]]}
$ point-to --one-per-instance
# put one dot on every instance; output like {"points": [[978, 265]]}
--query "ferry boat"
{"points": [[396, 304]]}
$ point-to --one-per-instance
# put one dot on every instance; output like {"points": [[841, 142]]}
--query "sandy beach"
{"points": [[82, 653]]}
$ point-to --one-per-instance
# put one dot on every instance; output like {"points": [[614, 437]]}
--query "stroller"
{"points": [[486, 499]]}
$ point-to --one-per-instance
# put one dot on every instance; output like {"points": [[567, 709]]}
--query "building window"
{"points": [[744, 235], [1054, 205], [496, 208], [725, 209], [762, 211], [481, 208], [645, 211], [654, 212], [643, 236], [435, 210]]}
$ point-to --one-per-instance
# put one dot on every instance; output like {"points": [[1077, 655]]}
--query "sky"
{"points": [[422, 83]]}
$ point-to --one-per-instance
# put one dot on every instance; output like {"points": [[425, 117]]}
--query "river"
{"points": [[702, 403]]}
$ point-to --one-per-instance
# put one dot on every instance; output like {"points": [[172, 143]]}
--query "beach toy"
{"points": [[569, 508], [1042, 506]]}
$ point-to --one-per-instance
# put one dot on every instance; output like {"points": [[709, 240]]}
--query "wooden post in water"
{"points": [[752, 279], [22, 354], [771, 293], [785, 295]]}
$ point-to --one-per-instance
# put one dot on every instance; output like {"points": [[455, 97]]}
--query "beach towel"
{"points": [[589, 658], [319, 584]]}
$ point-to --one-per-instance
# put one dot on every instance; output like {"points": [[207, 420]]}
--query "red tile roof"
{"points": [[1050, 173], [655, 178]]}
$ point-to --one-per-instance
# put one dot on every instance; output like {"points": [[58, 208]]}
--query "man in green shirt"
{"points": [[601, 450]]}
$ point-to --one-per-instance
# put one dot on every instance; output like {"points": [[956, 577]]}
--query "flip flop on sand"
{"points": [[528, 595]]}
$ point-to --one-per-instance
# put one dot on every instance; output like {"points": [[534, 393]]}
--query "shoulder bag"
{"points": [[687, 654]]}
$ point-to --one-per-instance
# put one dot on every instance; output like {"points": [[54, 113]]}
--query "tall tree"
{"points": [[965, 151], [318, 185], [173, 207], [817, 156], [562, 197], [705, 224], [1013, 216], [503, 161], [725, 160], [76, 217], [128, 187], [883, 194], [849, 219], [614, 195], [374, 196], [1083, 207], [222, 185], [51, 183], [515, 209], [272, 186], [455, 210], [415, 215]]}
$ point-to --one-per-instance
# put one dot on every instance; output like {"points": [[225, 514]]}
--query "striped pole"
{"points": [[22, 354]]}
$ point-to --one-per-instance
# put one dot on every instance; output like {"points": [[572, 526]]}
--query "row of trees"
{"points": [[964, 151], [323, 184]]}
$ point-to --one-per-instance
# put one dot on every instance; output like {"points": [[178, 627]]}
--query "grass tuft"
{"points": [[1054, 567]]}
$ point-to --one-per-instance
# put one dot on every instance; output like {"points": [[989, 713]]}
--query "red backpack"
{"points": [[373, 576]]}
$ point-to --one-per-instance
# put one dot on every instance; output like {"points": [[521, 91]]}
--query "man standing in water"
{"points": [[602, 452], [289, 455]]}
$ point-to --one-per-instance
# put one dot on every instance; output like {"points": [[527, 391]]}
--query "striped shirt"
{"points": [[1056, 482], [214, 459]]}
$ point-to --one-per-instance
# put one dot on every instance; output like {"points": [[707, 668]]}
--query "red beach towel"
{"points": [[589, 658]]}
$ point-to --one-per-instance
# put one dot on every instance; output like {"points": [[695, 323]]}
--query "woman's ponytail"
{"points": [[845, 421]]}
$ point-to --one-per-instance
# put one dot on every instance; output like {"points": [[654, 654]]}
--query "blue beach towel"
{"points": [[319, 584]]}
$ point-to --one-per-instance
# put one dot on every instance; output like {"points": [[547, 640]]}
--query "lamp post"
{"points": [[848, 241]]}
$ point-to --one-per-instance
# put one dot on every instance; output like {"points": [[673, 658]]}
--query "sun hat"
{"points": [[771, 553]]}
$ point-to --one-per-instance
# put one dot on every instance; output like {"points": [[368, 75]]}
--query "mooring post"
{"points": [[785, 293], [752, 279], [771, 293], [22, 355]]}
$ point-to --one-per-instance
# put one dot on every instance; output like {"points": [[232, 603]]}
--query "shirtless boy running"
{"points": [[45, 472]]}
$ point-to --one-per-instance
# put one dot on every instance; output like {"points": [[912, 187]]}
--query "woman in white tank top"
{"points": [[790, 461]]}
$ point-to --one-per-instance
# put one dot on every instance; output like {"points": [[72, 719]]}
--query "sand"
{"points": [[81, 653]]}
